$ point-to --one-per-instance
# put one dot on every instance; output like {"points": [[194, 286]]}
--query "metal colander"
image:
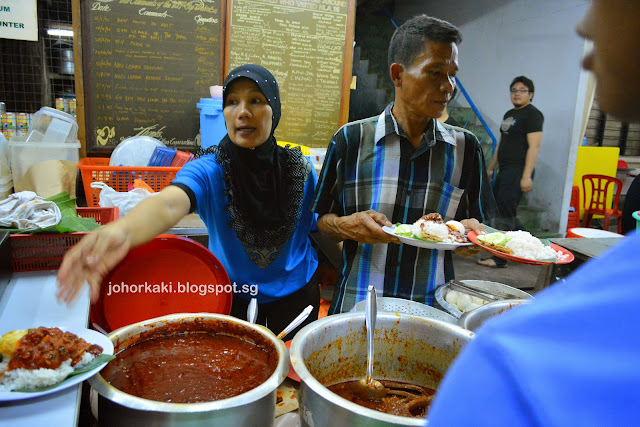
{"points": [[395, 305]]}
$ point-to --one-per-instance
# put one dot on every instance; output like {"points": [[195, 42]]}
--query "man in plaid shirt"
{"points": [[399, 166]]}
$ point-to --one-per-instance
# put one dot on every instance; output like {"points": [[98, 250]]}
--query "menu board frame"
{"points": [[346, 67], [86, 100]]}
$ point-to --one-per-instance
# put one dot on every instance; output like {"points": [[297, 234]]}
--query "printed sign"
{"points": [[19, 20]]}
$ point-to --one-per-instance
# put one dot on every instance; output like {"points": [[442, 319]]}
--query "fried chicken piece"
{"points": [[10, 341], [436, 217], [498, 248]]}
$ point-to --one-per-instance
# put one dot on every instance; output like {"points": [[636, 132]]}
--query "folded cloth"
{"points": [[27, 210]]}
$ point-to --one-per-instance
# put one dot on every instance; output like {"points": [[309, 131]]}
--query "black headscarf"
{"points": [[265, 185]]}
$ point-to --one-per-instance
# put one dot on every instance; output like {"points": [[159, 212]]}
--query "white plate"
{"points": [[424, 244], [88, 335]]}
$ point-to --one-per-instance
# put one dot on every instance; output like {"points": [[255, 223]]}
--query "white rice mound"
{"points": [[524, 245], [27, 379], [430, 227]]}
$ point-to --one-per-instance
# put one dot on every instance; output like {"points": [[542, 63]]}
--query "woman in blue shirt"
{"points": [[254, 197]]}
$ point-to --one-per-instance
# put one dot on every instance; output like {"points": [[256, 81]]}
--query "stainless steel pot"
{"points": [[333, 349], [473, 319], [66, 61], [255, 407]]}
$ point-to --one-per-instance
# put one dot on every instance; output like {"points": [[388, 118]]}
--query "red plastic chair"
{"points": [[596, 188], [574, 215]]}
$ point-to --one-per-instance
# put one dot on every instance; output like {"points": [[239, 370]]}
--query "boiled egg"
{"points": [[452, 297], [456, 225]]}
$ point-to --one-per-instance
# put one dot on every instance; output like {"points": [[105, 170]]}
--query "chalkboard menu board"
{"points": [[307, 45], [147, 63]]}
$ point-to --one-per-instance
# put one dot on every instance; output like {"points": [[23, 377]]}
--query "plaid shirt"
{"points": [[370, 164]]}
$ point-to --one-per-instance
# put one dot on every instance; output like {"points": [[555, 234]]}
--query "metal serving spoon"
{"points": [[252, 311], [368, 388]]}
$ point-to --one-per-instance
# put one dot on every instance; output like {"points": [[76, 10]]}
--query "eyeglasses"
{"points": [[519, 90]]}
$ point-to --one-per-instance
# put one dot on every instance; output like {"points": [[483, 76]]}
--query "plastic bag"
{"points": [[125, 201]]}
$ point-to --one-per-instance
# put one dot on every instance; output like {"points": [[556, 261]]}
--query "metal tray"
{"points": [[441, 293]]}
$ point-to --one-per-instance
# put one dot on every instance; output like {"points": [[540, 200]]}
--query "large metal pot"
{"points": [[473, 319], [255, 407], [333, 349]]}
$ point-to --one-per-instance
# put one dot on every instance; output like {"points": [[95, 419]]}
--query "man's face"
{"points": [[426, 86], [520, 95], [615, 57]]}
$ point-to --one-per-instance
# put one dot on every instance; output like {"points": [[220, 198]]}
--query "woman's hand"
{"points": [[97, 253], [90, 260]]}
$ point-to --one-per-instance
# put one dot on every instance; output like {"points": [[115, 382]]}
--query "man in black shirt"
{"points": [[516, 155]]}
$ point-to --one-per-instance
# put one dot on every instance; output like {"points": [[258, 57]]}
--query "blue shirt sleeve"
{"points": [[197, 175], [569, 358]]}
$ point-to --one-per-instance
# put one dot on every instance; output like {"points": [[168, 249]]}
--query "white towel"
{"points": [[27, 210]]}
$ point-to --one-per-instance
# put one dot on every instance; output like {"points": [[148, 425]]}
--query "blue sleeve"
{"points": [[196, 175], [568, 358], [477, 391]]}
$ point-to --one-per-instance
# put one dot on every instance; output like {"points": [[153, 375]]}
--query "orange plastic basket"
{"points": [[33, 252], [95, 169]]}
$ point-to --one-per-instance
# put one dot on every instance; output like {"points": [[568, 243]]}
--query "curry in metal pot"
{"points": [[403, 399], [190, 367]]}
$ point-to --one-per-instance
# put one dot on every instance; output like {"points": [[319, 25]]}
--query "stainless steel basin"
{"points": [[255, 407], [331, 350]]}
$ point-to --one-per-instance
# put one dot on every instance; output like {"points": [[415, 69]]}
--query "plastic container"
{"points": [[6, 187], [53, 126], [212, 126], [119, 177], [23, 155], [5, 170], [33, 252], [181, 158], [135, 151], [162, 156]]}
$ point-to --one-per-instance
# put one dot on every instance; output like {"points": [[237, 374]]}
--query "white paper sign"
{"points": [[19, 20]]}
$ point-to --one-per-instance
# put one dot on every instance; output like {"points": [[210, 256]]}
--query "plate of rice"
{"points": [[521, 247], [42, 360], [431, 232]]}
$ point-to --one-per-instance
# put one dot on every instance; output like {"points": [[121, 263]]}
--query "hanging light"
{"points": [[60, 32]]}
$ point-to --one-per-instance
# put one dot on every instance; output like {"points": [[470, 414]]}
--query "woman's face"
{"points": [[247, 114]]}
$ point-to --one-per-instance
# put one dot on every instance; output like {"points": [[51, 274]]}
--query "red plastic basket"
{"points": [[181, 158], [33, 252], [119, 177]]}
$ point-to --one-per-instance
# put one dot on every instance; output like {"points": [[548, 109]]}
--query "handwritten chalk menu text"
{"points": [[149, 63], [302, 42]]}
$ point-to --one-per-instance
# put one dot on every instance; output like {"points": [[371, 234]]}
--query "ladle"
{"points": [[368, 388]]}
